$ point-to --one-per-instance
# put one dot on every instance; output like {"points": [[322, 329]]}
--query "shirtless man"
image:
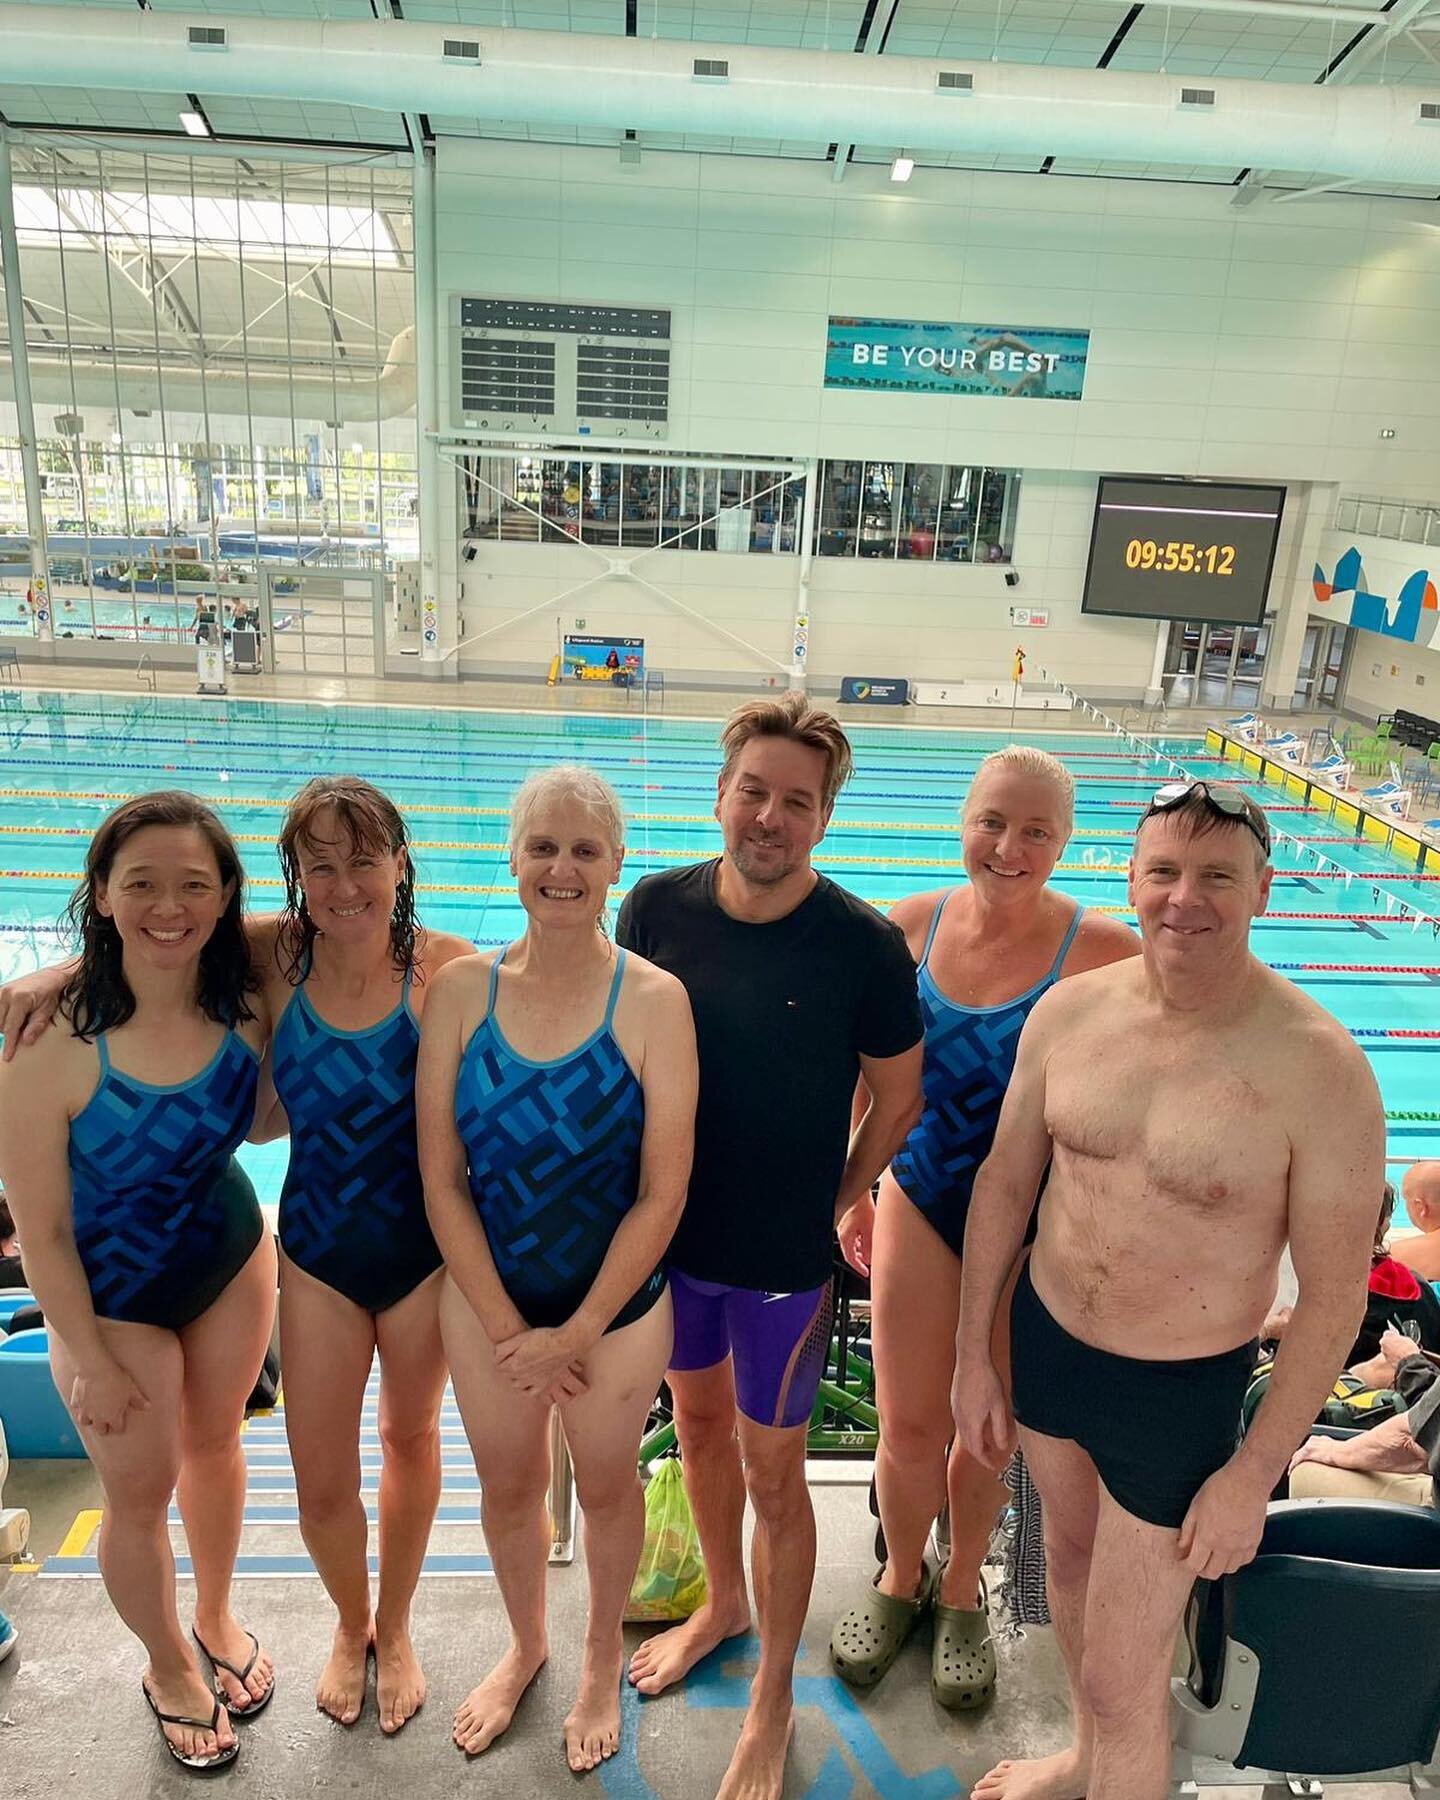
{"points": [[1421, 1191], [1200, 1111]]}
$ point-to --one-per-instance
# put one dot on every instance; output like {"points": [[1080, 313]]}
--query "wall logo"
{"points": [[1412, 615]]}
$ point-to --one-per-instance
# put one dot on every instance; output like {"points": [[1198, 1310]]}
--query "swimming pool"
{"points": [[69, 757]]}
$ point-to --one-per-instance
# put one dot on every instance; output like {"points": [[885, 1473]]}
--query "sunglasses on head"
{"points": [[1224, 802]]}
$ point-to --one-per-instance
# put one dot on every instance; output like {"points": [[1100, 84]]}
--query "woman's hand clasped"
{"points": [[103, 1398], [544, 1362]]}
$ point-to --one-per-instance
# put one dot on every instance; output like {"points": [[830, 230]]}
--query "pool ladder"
{"points": [[145, 670]]}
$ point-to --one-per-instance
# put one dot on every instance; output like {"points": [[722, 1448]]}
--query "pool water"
{"points": [[1336, 930]]}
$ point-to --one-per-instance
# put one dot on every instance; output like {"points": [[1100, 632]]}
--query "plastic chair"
{"points": [[33, 1414], [1384, 728], [654, 684], [13, 1300], [9, 661], [1321, 1658]]}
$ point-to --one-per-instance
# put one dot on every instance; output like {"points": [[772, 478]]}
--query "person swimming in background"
{"points": [[144, 1243], [987, 952], [557, 1109]]}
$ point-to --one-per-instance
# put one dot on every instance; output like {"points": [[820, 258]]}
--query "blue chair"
{"points": [[1321, 1658], [13, 1300], [33, 1414]]}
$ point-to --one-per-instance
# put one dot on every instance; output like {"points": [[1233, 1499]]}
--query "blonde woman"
{"points": [[987, 951], [556, 1090]]}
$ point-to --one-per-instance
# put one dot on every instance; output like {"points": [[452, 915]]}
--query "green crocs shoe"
{"points": [[962, 1662], [867, 1640]]}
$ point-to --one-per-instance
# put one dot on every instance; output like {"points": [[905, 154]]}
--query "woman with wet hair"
{"points": [[345, 971], [144, 1243]]}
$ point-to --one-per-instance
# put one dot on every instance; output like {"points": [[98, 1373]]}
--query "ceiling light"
{"points": [[194, 124], [902, 168]]}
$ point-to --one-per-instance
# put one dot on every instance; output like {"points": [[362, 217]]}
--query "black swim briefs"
{"points": [[1156, 1431]]}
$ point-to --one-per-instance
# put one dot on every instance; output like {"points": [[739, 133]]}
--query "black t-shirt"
{"points": [[11, 1274], [783, 1013]]}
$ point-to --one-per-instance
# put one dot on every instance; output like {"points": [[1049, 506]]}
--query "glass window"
{"points": [[837, 521], [919, 511]]}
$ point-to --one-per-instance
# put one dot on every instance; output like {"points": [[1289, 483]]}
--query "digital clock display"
{"points": [[1182, 549]]}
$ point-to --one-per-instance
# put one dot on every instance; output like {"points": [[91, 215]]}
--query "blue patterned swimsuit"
{"points": [[352, 1211], [554, 1155], [164, 1218], [969, 1059]]}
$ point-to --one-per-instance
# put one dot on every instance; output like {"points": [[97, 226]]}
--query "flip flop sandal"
{"points": [[241, 1675], [196, 1765], [962, 1660], [867, 1640]]}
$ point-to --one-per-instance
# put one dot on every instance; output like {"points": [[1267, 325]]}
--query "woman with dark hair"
{"points": [[143, 1240], [344, 971]]}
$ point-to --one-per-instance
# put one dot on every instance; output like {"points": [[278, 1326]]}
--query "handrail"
{"points": [[146, 665], [1406, 521]]}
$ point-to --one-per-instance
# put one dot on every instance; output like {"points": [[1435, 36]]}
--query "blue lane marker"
{"points": [[290, 1515], [709, 1686], [282, 1481], [66, 1566]]}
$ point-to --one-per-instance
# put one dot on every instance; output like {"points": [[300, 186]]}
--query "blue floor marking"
{"points": [[60, 1566], [710, 1687]]}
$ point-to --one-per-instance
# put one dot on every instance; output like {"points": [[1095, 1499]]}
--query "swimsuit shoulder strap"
{"points": [[617, 978], [934, 927], [1065, 943], [494, 983], [103, 1046]]}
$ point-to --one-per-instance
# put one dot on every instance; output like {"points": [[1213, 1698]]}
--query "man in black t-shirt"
{"points": [[798, 989]]}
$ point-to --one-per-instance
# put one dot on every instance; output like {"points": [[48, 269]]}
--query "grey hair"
{"points": [[1025, 759], [569, 781]]}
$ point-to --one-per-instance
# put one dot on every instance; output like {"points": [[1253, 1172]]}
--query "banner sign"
{"points": [[1016, 362], [867, 690], [617, 660]]}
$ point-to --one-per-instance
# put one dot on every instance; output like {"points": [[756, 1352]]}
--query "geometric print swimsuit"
{"points": [[554, 1161], [163, 1218], [969, 1059], [352, 1211]]}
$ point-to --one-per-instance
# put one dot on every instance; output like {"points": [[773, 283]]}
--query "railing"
{"points": [[1408, 521], [145, 670]]}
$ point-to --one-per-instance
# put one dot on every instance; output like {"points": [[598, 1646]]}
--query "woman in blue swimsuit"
{"points": [[347, 969], [143, 1239], [557, 1107], [987, 951]]}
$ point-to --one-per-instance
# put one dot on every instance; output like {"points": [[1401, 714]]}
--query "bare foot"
{"points": [[592, 1730], [227, 1638], [188, 1697], [399, 1679], [489, 1708], [1060, 1777], [757, 1769], [340, 1691], [669, 1656]]}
